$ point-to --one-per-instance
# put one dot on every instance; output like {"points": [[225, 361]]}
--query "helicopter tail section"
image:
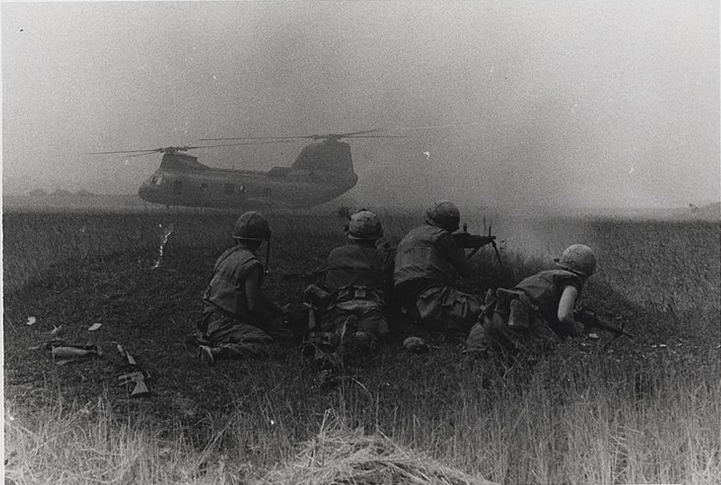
{"points": [[328, 156]]}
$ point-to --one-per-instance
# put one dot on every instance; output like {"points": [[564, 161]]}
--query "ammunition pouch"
{"points": [[348, 293], [316, 296], [516, 308]]}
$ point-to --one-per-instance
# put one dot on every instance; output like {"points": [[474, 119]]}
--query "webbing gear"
{"points": [[519, 308], [351, 293]]}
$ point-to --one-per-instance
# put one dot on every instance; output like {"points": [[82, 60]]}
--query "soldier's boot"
{"points": [[347, 343]]}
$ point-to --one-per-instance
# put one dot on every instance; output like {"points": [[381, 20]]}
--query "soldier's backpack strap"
{"points": [[505, 293]]}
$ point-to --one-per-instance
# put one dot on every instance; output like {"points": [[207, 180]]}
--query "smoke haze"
{"points": [[535, 104]]}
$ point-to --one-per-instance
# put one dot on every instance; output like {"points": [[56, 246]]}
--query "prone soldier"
{"points": [[350, 302], [538, 312]]}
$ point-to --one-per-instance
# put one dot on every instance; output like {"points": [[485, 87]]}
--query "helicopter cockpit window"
{"points": [[229, 189]]}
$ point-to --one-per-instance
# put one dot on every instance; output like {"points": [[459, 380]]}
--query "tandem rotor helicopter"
{"points": [[321, 172]]}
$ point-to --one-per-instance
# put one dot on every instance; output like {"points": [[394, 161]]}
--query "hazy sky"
{"points": [[591, 103]]}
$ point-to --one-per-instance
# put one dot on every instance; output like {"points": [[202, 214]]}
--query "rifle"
{"points": [[589, 319], [315, 274], [466, 240], [135, 375]]}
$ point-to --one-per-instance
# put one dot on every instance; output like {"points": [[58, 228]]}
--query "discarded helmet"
{"points": [[252, 226], [364, 225], [578, 258], [444, 214]]}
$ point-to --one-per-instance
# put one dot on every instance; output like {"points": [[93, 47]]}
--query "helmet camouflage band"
{"points": [[578, 258], [364, 225], [444, 214], [251, 226]]}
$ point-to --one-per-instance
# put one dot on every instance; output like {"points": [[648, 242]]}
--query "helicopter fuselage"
{"points": [[182, 181]]}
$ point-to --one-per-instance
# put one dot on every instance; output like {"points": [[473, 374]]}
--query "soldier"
{"points": [[538, 312], [238, 320], [427, 263], [352, 296]]}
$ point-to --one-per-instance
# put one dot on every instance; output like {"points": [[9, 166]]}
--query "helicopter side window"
{"points": [[178, 187], [229, 189]]}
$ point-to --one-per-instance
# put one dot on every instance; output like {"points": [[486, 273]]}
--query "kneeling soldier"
{"points": [[428, 261], [351, 300], [238, 320], [537, 313]]}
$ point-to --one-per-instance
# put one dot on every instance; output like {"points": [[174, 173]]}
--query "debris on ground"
{"points": [[416, 345], [340, 455], [73, 353]]}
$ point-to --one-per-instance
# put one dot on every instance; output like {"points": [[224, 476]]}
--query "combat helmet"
{"points": [[578, 258], [251, 226], [364, 225], [444, 214]]}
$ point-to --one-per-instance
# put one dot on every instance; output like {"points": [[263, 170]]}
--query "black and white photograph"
{"points": [[324, 242]]}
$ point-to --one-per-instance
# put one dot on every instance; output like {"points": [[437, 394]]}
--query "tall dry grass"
{"points": [[627, 414]]}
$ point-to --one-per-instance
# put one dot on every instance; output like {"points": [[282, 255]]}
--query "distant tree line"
{"points": [[61, 193]]}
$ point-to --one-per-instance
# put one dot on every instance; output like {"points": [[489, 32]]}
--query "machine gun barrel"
{"points": [[466, 240], [589, 318]]}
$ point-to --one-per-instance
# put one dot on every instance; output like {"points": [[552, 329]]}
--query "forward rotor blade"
{"points": [[140, 155], [337, 136]]}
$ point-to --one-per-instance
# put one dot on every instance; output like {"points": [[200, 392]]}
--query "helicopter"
{"points": [[321, 172]]}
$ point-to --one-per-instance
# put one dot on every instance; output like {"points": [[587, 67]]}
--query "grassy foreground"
{"points": [[644, 411]]}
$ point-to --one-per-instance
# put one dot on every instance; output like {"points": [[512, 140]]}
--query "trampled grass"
{"points": [[643, 411]]}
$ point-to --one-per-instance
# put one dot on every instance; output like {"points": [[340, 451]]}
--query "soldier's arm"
{"points": [[565, 310], [253, 296], [455, 255]]}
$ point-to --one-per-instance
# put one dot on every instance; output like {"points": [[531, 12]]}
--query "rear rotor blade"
{"points": [[251, 143], [279, 138], [153, 150]]}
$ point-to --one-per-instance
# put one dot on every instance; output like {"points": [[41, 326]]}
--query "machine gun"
{"points": [[135, 375], [466, 240], [590, 320]]}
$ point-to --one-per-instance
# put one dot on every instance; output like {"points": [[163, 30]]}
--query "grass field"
{"points": [[621, 411]]}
